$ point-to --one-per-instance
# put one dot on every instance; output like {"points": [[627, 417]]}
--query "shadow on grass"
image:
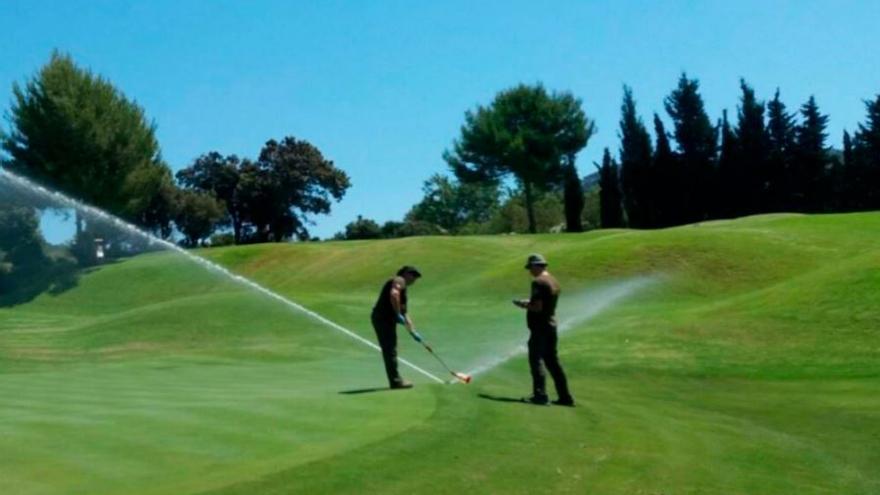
{"points": [[22, 282], [366, 391], [516, 400]]}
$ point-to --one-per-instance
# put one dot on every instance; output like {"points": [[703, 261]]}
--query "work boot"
{"points": [[568, 402], [538, 400], [401, 384]]}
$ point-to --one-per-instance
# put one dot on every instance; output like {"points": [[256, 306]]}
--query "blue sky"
{"points": [[381, 87]]}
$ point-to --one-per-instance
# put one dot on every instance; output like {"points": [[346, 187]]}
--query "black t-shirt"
{"points": [[546, 289], [383, 309]]}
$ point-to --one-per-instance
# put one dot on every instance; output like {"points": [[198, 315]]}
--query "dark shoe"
{"points": [[401, 384], [569, 402], [537, 400]]}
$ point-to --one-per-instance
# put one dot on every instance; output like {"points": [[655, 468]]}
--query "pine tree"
{"points": [[635, 164], [697, 142], [810, 169], [753, 144], [610, 201], [667, 179], [781, 135]]}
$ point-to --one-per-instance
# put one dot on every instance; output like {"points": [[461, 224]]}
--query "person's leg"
{"points": [[387, 336], [539, 380], [551, 360]]}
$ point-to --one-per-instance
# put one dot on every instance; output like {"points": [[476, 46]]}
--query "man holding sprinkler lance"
{"points": [[390, 310], [541, 320]]}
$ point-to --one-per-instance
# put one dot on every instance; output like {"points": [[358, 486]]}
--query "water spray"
{"points": [[589, 304], [210, 265]]}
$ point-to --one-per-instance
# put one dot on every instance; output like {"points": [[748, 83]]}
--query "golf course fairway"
{"points": [[743, 359]]}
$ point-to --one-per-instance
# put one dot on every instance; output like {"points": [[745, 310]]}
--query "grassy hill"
{"points": [[746, 360]]}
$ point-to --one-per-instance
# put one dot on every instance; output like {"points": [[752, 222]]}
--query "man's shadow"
{"points": [[366, 390], [517, 400]]}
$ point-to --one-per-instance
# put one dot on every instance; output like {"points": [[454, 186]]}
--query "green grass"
{"points": [[750, 366]]}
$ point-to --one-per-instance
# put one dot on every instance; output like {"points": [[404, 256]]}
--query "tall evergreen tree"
{"points": [[867, 153], [610, 200], [730, 173], [781, 141], [753, 145], [810, 171], [573, 197], [697, 142], [635, 164], [667, 179], [849, 188]]}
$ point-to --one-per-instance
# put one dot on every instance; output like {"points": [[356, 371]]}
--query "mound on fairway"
{"points": [[749, 364]]}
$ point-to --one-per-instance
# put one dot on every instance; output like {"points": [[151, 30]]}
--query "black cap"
{"points": [[409, 269]]}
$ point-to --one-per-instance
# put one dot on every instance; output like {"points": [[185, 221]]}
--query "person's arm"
{"points": [[396, 288], [536, 303]]}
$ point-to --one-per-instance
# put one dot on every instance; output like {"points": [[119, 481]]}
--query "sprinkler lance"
{"points": [[462, 377]]}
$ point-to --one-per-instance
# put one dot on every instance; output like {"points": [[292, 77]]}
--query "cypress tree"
{"points": [[667, 179], [697, 142], [731, 190], [810, 171], [635, 164], [866, 151], [753, 144], [850, 189], [573, 195], [781, 141], [610, 200]]}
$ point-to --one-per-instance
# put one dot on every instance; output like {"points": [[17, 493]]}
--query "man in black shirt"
{"points": [[541, 320], [390, 309]]}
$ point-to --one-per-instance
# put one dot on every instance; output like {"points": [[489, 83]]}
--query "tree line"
{"points": [[513, 163], [770, 159], [75, 132]]}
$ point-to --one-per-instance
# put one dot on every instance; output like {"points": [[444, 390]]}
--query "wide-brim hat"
{"points": [[536, 260]]}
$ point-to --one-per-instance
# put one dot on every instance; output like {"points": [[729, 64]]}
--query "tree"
{"points": [[453, 204], [26, 270], [866, 153], [610, 201], [573, 197], [635, 164], [730, 173], [525, 132], [295, 181], [197, 215], [362, 228], [218, 175], [781, 143], [576, 131], [269, 199], [809, 172], [667, 179], [697, 141], [77, 133], [753, 144]]}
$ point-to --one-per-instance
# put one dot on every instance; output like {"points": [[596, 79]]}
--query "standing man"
{"points": [[541, 320], [390, 309]]}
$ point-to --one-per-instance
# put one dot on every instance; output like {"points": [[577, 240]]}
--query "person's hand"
{"points": [[401, 319]]}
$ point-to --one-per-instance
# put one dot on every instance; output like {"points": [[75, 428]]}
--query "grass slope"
{"points": [[751, 366]]}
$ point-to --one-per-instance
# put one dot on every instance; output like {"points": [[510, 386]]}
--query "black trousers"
{"points": [[386, 333], [542, 352]]}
